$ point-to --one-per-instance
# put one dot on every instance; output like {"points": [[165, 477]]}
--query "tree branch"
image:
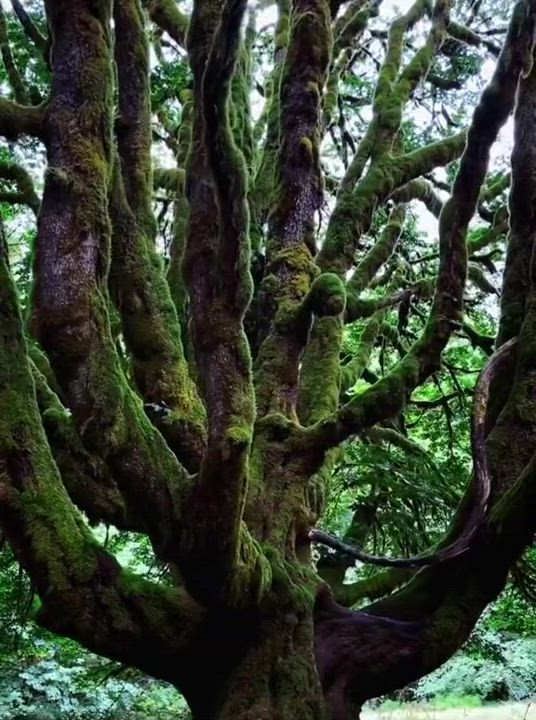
{"points": [[377, 256], [422, 190], [85, 476], [522, 233], [17, 120], [83, 591], [30, 29], [149, 320], [221, 562], [285, 307], [350, 26], [388, 396], [70, 311], [469, 37], [13, 74], [26, 194], [169, 18]]}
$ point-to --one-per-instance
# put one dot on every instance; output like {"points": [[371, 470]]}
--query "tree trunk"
{"points": [[277, 678], [257, 668]]}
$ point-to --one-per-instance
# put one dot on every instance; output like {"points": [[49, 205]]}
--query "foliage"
{"points": [[234, 306], [52, 684], [499, 669]]}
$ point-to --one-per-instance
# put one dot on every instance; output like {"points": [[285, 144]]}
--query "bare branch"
{"points": [[13, 74], [30, 28]]}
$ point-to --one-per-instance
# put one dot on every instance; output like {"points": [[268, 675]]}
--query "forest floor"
{"points": [[501, 711]]}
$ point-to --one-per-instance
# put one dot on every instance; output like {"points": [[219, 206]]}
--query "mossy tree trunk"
{"points": [[217, 436]]}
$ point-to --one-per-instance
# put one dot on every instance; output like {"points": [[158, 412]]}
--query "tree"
{"points": [[205, 404]]}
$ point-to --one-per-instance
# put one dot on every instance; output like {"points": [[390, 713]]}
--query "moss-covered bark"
{"points": [[70, 304], [517, 277], [149, 321], [221, 560], [290, 269], [260, 420], [17, 120], [84, 593], [388, 396], [169, 18]]}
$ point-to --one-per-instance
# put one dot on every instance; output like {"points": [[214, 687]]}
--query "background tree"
{"points": [[207, 403]]}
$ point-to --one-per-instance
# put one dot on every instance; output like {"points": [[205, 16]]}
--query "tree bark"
{"points": [[154, 410]]}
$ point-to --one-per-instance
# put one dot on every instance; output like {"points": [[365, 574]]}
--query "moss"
{"points": [[74, 324], [40, 521], [320, 373], [352, 371], [327, 295], [167, 16], [152, 332]]}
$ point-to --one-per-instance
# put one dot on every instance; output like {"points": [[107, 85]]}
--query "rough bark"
{"points": [[207, 408]]}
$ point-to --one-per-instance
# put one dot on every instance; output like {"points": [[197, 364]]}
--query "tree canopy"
{"points": [[220, 295]]}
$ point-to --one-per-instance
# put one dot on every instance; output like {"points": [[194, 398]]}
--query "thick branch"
{"points": [[388, 396], [374, 587], [150, 324], [422, 190], [168, 17], [290, 269], [83, 591], [181, 208], [221, 563], [85, 476], [392, 93], [522, 234], [465, 35], [70, 310], [475, 518], [17, 120], [353, 212], [351, 25], [352, 371], [377, 256]]}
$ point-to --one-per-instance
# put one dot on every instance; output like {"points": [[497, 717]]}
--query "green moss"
{"points": [[327, 295], [320, 373], [50, 538], [307, 145]]}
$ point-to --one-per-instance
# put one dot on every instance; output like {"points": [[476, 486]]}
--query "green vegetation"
{"points": [[265, 276]]}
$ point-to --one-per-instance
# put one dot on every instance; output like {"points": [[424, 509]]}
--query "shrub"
{"points": [[489, 667]]}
